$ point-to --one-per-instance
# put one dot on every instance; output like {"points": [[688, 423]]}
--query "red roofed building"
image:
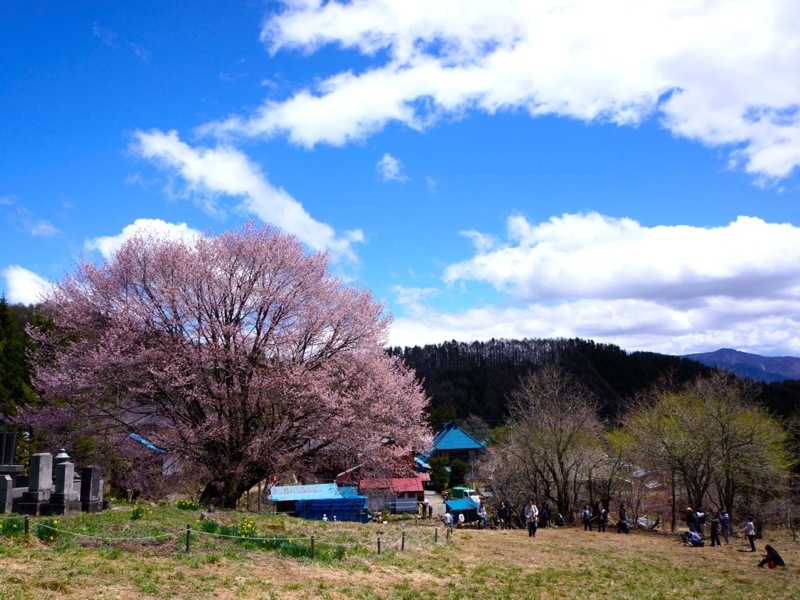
{"points": [[396, 494]]}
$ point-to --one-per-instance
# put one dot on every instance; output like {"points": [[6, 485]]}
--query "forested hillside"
{"points": [[474, 378]]}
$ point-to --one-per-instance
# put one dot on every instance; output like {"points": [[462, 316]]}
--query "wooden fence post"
{"points": [[188, 537]]}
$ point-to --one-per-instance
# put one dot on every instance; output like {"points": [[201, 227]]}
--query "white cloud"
{"points": [[723, 72], [223, 170], [23, 286], [390, 168], [593, 256], [675, 289], [765, 327], [412, 296], [108, 245], [44, 229]]}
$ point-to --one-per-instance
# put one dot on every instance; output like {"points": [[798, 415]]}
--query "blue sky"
{"points": [[625, 173]]}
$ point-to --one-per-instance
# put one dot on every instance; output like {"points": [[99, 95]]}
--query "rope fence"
{"points": [[380, 543]]}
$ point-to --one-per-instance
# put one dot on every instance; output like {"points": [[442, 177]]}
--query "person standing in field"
{"points": [[725, 525], [714, 521], [701, 521], [601, 519], [587, 518], [692, 520], [622, 524], [531, 518], [750, 531]]}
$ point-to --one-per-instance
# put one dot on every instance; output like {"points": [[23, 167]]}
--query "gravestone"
{"points": [[8, 452], [40, 482], [6, 493], [36, 500], [91, 489], [65, 500]]}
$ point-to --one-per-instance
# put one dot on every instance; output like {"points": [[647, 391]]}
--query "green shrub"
{"points": [[140, 511], [46, 529], [191, 504], [12, 527]]}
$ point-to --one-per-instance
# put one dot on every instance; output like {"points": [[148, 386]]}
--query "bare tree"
{"points": [[553, 439]]}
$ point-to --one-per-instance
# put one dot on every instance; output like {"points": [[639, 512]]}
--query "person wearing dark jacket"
{"points": [[692, 520], [714, 522], [622, 524], [772, 559]]}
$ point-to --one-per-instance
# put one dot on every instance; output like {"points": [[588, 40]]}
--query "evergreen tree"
{"points": [[15, 381]]}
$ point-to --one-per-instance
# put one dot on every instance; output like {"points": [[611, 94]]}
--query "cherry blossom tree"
{"points": [[239, 352]]}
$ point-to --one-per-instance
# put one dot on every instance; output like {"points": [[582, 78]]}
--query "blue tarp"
{"points": [[321, 499], [148, 443], [344, 509], [421, 463], [461, 504]]}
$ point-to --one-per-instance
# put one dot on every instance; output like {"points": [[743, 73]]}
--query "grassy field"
{"points": [[566, 563]]}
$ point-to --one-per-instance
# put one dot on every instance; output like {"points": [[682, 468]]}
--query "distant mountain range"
{"points": [[751, 366]]}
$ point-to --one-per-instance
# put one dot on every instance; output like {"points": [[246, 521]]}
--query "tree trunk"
{"points": [[673, 516]]}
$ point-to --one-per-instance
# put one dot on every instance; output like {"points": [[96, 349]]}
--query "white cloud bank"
{"points": [[672, 289], [722, 72], [23, 286], [225, 171], [107, 245]]}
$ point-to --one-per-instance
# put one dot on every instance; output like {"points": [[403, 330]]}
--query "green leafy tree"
{"points": [[440, 478], [711, 436]]}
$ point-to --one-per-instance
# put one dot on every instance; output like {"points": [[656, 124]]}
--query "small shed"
{"points": [[318, 501], [463, 506], [395, 494]]}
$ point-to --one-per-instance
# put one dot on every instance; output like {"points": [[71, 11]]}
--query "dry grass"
{"points": [[566, 563]]}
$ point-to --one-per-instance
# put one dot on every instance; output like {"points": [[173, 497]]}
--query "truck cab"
{"points": [[464, 493]]}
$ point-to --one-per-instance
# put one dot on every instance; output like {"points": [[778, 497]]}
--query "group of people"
{"points": [[697, 520], [598, 515], [720, 522], [533, 517]]}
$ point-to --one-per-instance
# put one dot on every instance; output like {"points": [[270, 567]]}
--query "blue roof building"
{"points": [[453, 442]]}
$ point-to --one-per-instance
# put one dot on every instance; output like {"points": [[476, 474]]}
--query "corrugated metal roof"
{"points": [[317, 491], [398, 485]]}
